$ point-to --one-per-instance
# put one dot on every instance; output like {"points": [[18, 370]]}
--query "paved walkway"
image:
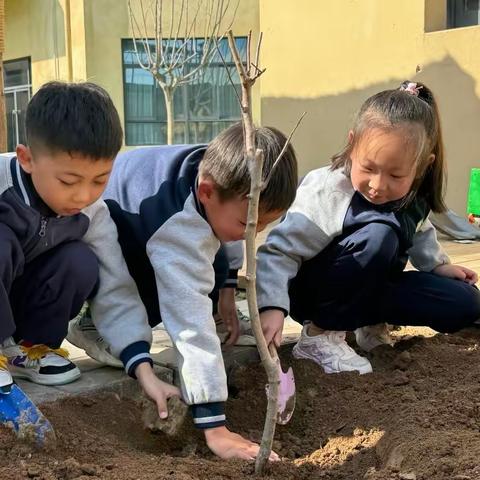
{"points": [[97, 377]]}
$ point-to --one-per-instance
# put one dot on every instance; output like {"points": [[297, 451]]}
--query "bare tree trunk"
{"points": [[168, 94], [269, 358]]}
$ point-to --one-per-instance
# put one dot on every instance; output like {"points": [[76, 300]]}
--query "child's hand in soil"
{"points": [[456, 271], [272, 326], [228, 313], [226, 444], [155, 389]]}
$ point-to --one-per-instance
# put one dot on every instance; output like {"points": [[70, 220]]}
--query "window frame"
{"points": [[187, 119]]}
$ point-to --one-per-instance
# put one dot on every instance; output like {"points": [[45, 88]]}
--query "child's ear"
{"points": [[350, 137], [431, 159], [205, 190], [24, 157]]}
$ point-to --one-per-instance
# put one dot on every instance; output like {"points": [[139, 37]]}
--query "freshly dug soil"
{"points": [[416, 417]]}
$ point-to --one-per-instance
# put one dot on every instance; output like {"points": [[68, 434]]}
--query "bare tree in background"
{"points": [[174, 41]]}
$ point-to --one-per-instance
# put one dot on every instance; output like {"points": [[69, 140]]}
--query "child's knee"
{"points": [[466, 299], [378, 245], [471, 303], [80, 264]]}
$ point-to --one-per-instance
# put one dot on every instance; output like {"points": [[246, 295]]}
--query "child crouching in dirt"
{"points": [[336, 262], [174, 207], [58, 244]]}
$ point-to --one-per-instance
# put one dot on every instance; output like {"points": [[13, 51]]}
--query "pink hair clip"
{"points": [[411, 87]]}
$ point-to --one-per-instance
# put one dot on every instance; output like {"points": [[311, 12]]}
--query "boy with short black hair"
{"points": [[58, 244], [174, 207]]}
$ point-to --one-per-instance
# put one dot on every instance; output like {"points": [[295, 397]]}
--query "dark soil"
{"points": [[416, 417]]}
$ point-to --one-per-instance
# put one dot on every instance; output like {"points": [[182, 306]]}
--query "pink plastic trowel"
{"points": [[286, 391]]}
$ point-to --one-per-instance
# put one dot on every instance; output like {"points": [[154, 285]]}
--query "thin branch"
{"points": [[157, 40], [257, 53], [228, 73], [159, 33], [282, 152], [258, 71], [236, 57], [249, 46], [133, 23], [145, 31], [188, 35]]}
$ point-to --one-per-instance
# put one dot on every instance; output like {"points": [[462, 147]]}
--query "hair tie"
{"points": [[411, 88]]}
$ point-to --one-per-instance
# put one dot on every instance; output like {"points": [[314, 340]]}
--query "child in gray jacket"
{"points": [[336, 262], [175, 207]]}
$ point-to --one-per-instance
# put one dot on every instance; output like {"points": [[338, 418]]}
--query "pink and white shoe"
{"points": [[331, 352]]}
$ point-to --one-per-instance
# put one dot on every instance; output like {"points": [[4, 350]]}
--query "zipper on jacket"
{"points": [[43, 227]]}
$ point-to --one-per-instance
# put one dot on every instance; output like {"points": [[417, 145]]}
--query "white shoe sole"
{"points": [[299, 354], [60, 379], [76, 337]]}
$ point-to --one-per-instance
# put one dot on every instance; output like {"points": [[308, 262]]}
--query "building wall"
{"points": [[37, 30], [81, 39], [107, 22], [322, 56], [327, 56]]}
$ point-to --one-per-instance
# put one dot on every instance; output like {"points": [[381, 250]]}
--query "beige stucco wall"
{"points": [[326, 57], [81, 39], [322, 56], [36, 29], [107, 23]]}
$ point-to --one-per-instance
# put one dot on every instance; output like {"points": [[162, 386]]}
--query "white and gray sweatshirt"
{"points": [[327, 206], [167, 241]]}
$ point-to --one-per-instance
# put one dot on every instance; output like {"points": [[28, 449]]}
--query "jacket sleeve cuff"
{"points": [[209, 415], [264, 309], [135, 354], [232, 280]]}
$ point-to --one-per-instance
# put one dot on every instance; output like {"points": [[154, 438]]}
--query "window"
{"points": [[462, 13], [18, 90], [202, 108], [447, 14]]}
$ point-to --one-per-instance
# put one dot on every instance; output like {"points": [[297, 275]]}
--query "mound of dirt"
{"points": [[417, 417]]}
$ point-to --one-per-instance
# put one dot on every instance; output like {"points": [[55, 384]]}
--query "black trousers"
{"points": [[358, 280], [38, 298]]}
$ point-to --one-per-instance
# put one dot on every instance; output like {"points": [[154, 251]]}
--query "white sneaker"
{"points": [[331, 352], [83, 334], [40, 363], [6, 379], [373, 336]]}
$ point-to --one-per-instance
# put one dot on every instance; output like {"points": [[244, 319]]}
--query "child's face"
{"points": [[383, 166], [228, 218], [66, 183]]}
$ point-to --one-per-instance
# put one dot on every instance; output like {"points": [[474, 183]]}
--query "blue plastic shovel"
{"points": [[18, 412]]}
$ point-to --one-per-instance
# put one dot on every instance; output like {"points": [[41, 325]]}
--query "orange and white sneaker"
{"points": [[6, 379], [40, 363]]}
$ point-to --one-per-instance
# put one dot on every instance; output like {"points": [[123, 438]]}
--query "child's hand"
{"points": [[226, 444], [227, 309], [155, 389], [272, 326], [456, 271]]}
